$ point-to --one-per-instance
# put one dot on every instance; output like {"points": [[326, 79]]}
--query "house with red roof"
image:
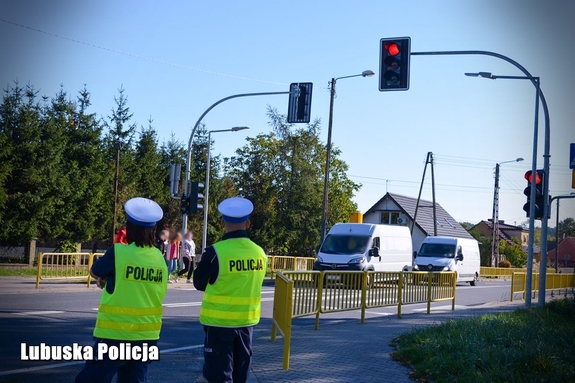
{"points": [[565, 253]]}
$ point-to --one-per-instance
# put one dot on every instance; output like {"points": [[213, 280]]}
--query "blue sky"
{"points": [[175, 58]]}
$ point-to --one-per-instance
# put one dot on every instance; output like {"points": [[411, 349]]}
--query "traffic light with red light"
{"points": [[394, 63], [539, 200]]}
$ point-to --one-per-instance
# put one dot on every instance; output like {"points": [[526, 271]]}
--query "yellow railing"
{"points": [[506, 272], [303, 293], [284, 263], [553, 282], [65, 266], [282, 314]]}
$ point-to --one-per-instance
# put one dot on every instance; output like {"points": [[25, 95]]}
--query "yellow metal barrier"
{"points": [[506, 272], [64, 266], [552, 282], [303, 293], [282, 314]]}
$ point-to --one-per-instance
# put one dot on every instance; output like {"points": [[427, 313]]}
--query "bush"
{"points": [[565, 307], [504, 263]]}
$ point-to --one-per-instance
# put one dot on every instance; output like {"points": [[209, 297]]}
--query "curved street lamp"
{"points": [[207, 186], [365, 73]]}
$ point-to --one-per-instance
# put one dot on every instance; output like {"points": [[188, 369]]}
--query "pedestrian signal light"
{"points": [[394, 63]]}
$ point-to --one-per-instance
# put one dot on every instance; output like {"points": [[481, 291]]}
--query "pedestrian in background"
{"points": [[231, 274], [188, 257], [173, 254], [121, 236], [130, 308]]}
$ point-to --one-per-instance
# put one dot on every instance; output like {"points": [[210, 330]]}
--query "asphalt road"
{"points": [[63, 318]]}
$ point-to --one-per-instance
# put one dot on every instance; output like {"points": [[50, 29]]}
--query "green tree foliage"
{"points": [[58, 164], [567, 228], [282, 173], [513, 252]]}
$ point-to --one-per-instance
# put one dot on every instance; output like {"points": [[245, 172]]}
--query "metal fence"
{"points": [[305, 293], [506, 272], [556, 283], [65, 266]]}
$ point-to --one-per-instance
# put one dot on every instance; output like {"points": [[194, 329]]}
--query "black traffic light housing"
{"points": [[195, 195], [299, 104], [539, 195], [394, 63]]}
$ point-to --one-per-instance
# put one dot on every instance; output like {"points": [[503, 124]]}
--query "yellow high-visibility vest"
{"points": [[134, 310], [234, 299]]}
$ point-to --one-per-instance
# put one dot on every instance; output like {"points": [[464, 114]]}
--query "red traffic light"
{"points": [[392, 48], [529, 177]]}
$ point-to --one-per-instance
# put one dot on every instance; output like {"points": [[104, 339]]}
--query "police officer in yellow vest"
{"points": [[231, 274], [134, 279]]}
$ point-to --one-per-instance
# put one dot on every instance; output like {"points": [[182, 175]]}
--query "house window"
{"points": [[389, 217]]}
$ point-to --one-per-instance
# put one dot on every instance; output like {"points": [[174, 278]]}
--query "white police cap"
{"points": [[236, 209], [143, 212]]}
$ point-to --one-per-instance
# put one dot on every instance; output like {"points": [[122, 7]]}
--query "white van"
{"points": [[365, 246], [449, 254]]}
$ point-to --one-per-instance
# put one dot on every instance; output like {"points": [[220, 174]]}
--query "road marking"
{"points": [[57, 365], [190, 304], [24, 313], [440, 308]]}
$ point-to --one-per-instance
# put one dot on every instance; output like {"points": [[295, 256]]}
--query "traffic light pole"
{"points": [[546, 156], [189, 155]]}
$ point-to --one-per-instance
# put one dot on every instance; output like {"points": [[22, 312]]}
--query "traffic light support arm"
{"points": [[546, 207]]}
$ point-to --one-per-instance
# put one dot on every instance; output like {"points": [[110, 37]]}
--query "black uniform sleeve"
{"points": [[207, 269], [104, 266]]}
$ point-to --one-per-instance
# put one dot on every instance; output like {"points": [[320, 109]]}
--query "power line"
{"points": [[141, 57]]}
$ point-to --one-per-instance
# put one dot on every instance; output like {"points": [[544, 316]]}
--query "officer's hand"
{"points": [[101, 282]]}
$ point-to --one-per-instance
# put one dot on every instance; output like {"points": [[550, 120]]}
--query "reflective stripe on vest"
{"points": [[134, 310], [234, 300]]}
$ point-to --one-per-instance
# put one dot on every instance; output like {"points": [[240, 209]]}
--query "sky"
{"points": [[176, 58]]}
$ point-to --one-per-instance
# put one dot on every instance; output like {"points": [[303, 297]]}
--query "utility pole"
{"points": [[116, 178], [495, 222], [428, 160]]}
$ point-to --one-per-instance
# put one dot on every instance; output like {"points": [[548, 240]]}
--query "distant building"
{"points": [[565, 253], [395, 209], [506, 232]]}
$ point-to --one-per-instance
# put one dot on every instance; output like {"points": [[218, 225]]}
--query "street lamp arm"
{"points": [[189, 157]]}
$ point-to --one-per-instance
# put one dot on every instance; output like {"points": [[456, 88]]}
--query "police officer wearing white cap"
{"points": [[231, 274], [134, 280]]}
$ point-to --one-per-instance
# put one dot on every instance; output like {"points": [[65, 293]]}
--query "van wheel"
{"points": [[472, 283]]}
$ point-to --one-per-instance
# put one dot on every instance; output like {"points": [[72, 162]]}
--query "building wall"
{"points": [[417, 236]]}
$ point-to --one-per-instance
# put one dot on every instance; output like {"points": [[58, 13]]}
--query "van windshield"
{"points": [[344, 244], [437, 250]]}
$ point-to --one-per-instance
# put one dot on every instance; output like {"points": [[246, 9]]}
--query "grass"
{"points": [[527, 345], [18, 271]]}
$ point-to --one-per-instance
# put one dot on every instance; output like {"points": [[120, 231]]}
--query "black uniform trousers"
{"points": [[227, 354], [103, 371]]}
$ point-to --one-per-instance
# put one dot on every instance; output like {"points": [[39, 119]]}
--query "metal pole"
{"points": [[419, 195], [327, 161], [557, 238], [529, 277], [495, 221], [189, 155], [433, 196], [116, 178], [206, 196]]}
